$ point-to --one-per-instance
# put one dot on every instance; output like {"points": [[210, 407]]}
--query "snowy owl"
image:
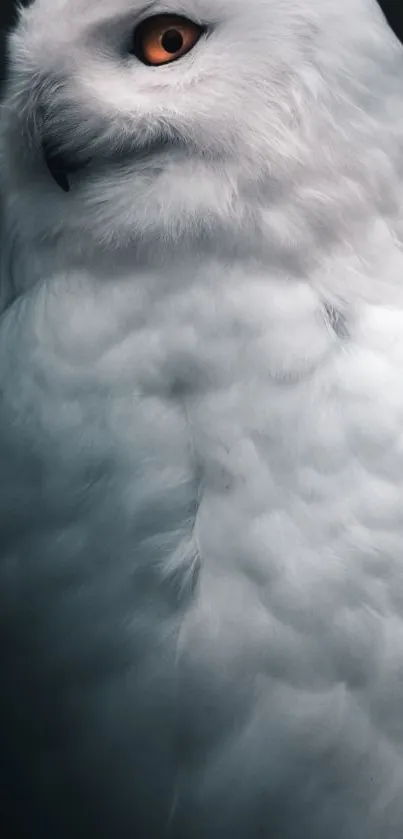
{"points": [[201, 420]]}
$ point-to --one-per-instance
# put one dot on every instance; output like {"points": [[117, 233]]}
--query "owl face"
{"points": [[127, 121]]}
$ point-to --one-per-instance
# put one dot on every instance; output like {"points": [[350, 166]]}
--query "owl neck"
{"points": [[320, 199]]}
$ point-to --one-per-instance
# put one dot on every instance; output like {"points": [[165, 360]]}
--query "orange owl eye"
{"points": [[165, 38]]}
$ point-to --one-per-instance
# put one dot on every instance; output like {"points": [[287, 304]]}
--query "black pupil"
{"points": [[172, 40]]}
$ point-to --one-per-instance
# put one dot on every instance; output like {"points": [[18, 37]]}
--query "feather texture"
{"points": [[201, 423]]}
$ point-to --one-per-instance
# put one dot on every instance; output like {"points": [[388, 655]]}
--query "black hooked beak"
{"points": [[60, 165]]}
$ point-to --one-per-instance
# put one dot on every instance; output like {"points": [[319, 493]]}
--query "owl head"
{"points": [[128, 123]]}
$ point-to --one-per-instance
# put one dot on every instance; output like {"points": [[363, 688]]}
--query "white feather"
{"points": [[201, 423]]}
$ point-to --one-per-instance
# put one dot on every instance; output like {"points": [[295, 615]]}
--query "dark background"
{"points": [[393, 10]]}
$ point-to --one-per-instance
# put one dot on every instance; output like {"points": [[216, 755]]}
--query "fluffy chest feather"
{"points": [[216, 475]]}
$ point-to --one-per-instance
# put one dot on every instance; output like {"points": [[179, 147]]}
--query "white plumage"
{"points": [[201, 422]]}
